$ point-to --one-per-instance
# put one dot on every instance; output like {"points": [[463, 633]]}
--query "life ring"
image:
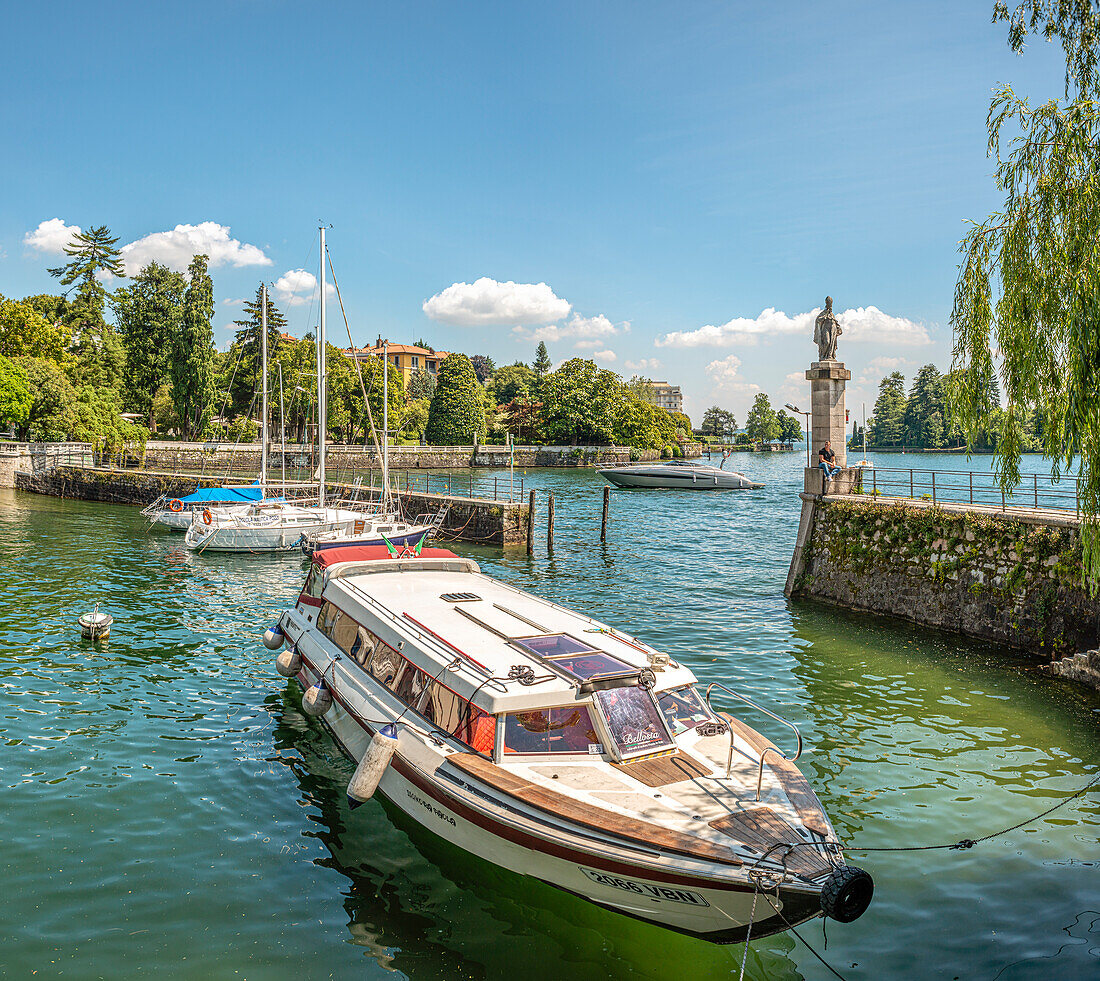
{"points": [[206, 516], [175, 505]]}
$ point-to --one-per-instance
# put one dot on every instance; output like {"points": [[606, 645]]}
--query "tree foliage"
{"points": [[542, 363], [191, 366], [15, 393], [762, 425], [513, 381], [456, 416], [483, 367], [149, 313], [1029, 282], [887, 426], [581, 403], [25, 333], [92, 254], [421, 384], [247, 340], [718, 422]]}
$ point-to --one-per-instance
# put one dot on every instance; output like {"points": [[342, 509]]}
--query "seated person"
{"points": [[825, 458]]}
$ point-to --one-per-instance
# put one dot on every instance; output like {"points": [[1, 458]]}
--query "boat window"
{"points": [[311, 592], [634, 721], [683, 709], [557, 730], [327, 618], [478, 730], [442, 706], [385, 664], [410, 684], [345, 632], [552, 645]]}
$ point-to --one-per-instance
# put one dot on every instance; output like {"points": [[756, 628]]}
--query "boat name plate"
{"points": [[647, 889]]}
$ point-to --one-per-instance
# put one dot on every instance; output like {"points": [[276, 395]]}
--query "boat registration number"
{"points": [[647, 889]]}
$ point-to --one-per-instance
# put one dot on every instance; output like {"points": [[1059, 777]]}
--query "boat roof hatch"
{"points": [[591, 669]]}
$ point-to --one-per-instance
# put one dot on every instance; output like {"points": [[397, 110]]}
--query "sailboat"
{"points": [[276, 525], [865, 463]]}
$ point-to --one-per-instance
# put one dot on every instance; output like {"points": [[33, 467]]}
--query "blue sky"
{"points": [[636, 182]]}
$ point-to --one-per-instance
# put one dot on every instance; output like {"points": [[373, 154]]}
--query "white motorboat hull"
{"points": [[693, 897], [173, 520], [685, 480]]}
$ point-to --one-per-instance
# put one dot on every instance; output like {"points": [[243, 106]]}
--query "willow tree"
{"points": [[1029, 282]]}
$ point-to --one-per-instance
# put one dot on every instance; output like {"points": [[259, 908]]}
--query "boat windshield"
{"points": [[634, 721], [683, 709]]}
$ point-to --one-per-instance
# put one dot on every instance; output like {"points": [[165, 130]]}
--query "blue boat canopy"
{"points": [[225, 495]]}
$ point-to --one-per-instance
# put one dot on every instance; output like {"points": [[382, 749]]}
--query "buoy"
{"points": [[273, 637], [847, 893], [289, 663], [369, 772], [95, 625], [318, 699]]}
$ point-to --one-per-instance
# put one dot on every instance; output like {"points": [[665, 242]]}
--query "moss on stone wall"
{"points": [[989, 575]]}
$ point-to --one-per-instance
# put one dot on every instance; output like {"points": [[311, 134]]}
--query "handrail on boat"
{"points": [[767, 749]]}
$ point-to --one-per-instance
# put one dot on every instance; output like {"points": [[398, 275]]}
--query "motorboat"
{"points": [[176, 513], [683, 474], [556, 746], [377, 529]]}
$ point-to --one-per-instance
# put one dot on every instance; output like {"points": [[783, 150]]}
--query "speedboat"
{"points": [[176, 513], [369, 530], [684, 474], [553, 745]]}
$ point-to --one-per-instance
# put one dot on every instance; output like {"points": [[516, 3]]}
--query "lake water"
{"points": [[169, 809]]}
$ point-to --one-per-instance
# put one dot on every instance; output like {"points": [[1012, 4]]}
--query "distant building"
{"points": [[407, 357], [667, 396]]}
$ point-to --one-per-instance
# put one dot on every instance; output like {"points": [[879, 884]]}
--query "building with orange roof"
{"points": [[407, 357]]}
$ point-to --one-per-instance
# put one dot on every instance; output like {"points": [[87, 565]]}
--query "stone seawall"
{"points": [[468, 519], [1013, 579], [217, 458]]}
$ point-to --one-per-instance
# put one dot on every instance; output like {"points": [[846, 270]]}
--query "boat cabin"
{"points": [[508, 674]]}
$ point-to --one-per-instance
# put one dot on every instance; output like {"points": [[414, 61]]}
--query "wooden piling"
{"points": [[603, 522], [531, 524], [550, 523]]}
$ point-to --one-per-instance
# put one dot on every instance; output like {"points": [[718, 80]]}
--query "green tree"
{"points": [[54, 308], [91, 254], [149, 313], [718, 422], [581, 403], [248, 340], [542, 363], [926, 400], [414, 418], [191, 366], [1028, 282], [25, 333], [51, 415], [421, 384], [513, 381], [523, 419], [887, 426], [15, 393], [790, 428], [642, 425], [455, 415], [762, 425]]}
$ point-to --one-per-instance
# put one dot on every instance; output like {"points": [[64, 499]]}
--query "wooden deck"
{"points": [[664, 770], [643, 833], [760, 828]]}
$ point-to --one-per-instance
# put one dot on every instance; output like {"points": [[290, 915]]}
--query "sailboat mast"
{"points": [[321, 393], [282, 428], [385, 424], [263, 357]]}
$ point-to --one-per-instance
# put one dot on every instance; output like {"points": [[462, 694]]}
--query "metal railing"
{"points": [[973, 488], [767, 749], [471, 484]]}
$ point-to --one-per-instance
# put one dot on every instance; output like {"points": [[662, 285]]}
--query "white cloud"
{"points": [[51, 236], [645, 366], [298, 286], [585, 332], [726, 369], [229, 302], [175, 248], [487, 302], [726, 380], [608, 356], [857, 324]]}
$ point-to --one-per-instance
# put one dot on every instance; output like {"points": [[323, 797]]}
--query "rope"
{"points": [[748, 931], [835, 973], [964, 843]]}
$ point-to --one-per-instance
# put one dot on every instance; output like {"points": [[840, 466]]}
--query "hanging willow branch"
{"points": [[1029, 292]]}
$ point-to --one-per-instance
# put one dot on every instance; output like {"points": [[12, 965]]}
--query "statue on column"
{"points": [[826, 331]]}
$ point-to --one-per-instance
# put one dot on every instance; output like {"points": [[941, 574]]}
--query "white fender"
{"points": [[318, 699], [289, 663], [273, 637], [369, 772]]}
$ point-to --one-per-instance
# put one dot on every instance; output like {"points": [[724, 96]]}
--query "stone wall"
{"points": [[1015, 580], [468, 519], [216, 458]]}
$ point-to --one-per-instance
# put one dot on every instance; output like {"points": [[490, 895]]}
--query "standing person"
{"points": [[825, 458]]}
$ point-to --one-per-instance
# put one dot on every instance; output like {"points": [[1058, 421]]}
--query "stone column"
{"points": [[827, 422]]}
